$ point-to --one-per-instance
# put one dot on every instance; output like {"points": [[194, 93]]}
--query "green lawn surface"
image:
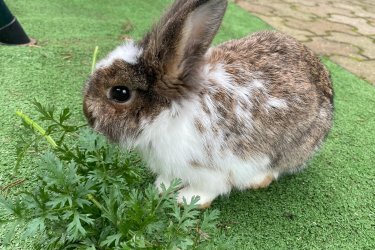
{"points": [[330, 205]]}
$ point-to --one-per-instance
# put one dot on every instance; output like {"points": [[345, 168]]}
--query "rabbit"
{"points": [[235, 116]]}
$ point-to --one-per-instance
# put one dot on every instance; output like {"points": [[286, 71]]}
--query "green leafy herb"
{"points": [[88, 194]]}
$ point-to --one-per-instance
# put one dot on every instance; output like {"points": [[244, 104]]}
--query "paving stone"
{"points": [[326, 47], [320, 26], [361, 24], [351, 2], [301, 2], [344, 30], [261, 2], [324, 10], [365, 14], [307, 2], [281, 8], [368, 2], [356, 67], [288, 10], [358, 11], [256, 8], [277, 23], [369, 8], [274, 21], [347, 6], [300, 35], [365, 43]]}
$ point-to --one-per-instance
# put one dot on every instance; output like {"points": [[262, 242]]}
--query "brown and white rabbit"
{"points": [[233, 116]]}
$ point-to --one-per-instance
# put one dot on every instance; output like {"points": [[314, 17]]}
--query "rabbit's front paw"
{"points": [[205, 197], [262, 181]]}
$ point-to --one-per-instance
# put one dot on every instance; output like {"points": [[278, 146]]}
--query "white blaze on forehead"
{"points": [[128, 52]]}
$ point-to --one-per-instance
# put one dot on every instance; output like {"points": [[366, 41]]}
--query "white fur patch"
{"points": [[259, 84], [224, 80], [170, 141], [274, 102], [128, 52]]}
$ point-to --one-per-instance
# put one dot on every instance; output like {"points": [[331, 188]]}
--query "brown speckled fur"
{"points": [[292, 73]]}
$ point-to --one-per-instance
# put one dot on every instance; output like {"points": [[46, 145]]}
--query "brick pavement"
{"points": [[343, 30]]}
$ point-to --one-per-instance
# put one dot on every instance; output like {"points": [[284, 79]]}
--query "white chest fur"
{"points": [[173, 146]]}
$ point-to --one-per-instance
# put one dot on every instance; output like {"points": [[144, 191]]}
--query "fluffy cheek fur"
{"points": [[104, 119], [122, 123]]}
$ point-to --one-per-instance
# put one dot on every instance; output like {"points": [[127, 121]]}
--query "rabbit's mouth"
{"points": [[91, 121], [89, 115]]}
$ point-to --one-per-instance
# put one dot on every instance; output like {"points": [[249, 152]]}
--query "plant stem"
{"points": [[13, 184], [37, 127], [94, 59], [95, 201]]}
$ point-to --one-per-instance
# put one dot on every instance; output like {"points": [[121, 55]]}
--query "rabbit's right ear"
{"points": [[177, 43]]}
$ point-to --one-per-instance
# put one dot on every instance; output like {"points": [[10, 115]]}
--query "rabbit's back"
{"points": [[273, 96]]}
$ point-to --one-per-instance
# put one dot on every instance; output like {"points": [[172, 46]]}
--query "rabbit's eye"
{"points": [[119, 94]]}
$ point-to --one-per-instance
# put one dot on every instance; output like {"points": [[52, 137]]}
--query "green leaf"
{"points": [[46, 112], [209, 219], [10, 231], [64, 115], [75, 229], [112, 239], [6, 205], [34, 227], [60, 201]]}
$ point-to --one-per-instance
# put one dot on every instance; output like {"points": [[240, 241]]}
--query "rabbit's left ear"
{"points": [[177, 44]]}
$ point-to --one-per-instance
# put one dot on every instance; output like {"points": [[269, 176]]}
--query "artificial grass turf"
{"points": [[329, 205]]}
